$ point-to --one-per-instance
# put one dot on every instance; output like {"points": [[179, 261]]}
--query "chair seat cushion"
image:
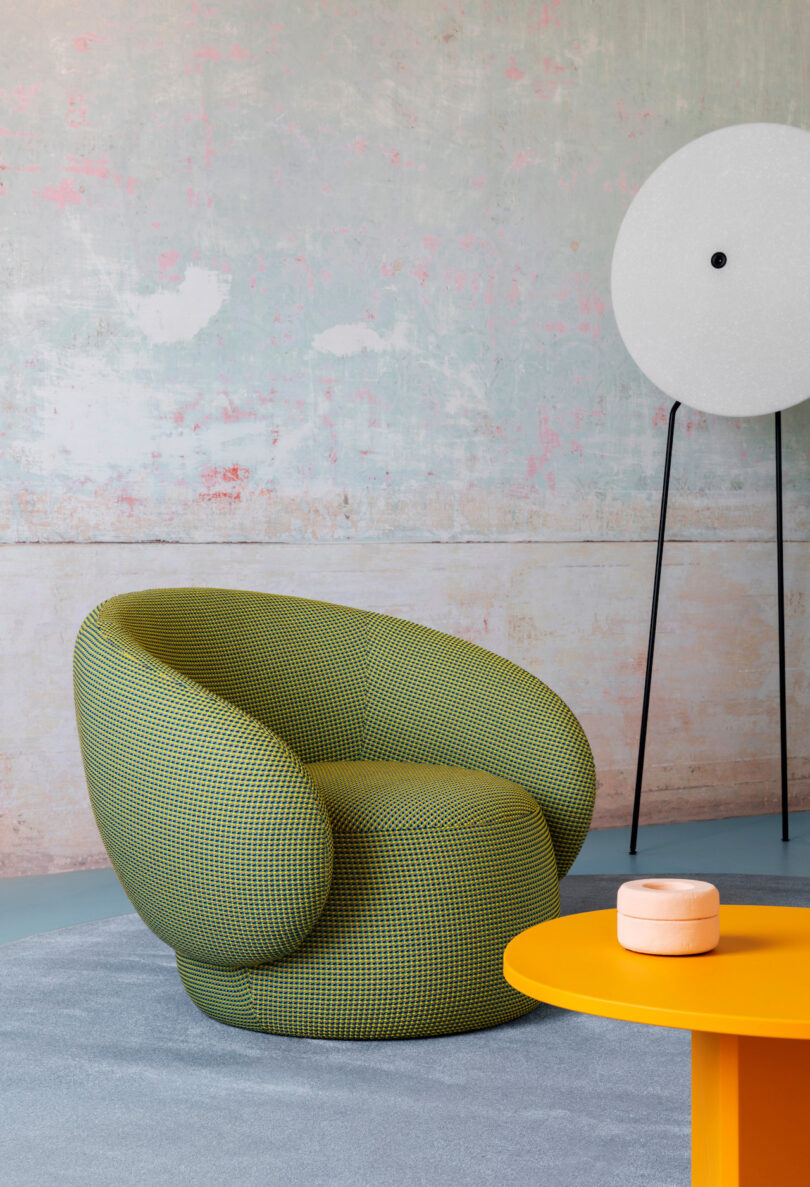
{"points": [[370, 797]]}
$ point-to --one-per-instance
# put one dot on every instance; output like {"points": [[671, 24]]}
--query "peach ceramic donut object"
{"points": [[668, 916]]}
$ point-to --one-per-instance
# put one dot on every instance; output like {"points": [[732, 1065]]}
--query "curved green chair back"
{"points": [[198, 707], [297, 666], [434, 698]]}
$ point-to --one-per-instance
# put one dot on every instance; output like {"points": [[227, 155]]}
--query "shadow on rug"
{"points": [[110, 1074]]}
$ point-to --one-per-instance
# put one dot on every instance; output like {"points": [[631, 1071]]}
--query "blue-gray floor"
{"points": [[746, 845], [741, 845]]}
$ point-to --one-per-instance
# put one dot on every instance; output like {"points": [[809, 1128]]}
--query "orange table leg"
{"points": [[750, 1111]]}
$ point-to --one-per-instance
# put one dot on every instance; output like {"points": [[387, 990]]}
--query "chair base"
{"points": [[410, 942]]}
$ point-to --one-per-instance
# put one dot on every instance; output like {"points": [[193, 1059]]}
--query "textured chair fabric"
{"points": [[337, 819]]}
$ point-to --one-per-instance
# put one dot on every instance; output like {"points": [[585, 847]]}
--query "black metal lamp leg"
{"points": [[780, 581], [662, 523]]}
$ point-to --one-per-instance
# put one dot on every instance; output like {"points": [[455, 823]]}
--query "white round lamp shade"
{"points": [[711, 271]]}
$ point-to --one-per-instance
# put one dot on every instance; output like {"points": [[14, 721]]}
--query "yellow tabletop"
{"points": [[756, 982]]}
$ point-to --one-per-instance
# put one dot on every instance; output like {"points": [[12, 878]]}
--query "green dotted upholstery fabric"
{"points": [[433, 698], [337, 819], [214, 828], [373, 797], [436, 869]]}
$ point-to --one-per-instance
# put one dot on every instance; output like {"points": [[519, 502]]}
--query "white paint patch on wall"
{"points": [[352, 339], [93, 428], [177, 316]]}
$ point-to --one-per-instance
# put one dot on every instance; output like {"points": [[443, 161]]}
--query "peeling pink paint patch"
{"points": [[63, 195], [129, 501], [555, 78], [179, 414], [232, 413], [593, 303], [359, 146], [550, 441], [307, 270], [167, 260], [84, 41], [549, 438], [522, 159], [512, 72], [213, 475], [627, 114], [207, 53], [659, 417], [100, 168], [77, 111], [625, 186], [546, 17], [21, 96], [90, 168]]}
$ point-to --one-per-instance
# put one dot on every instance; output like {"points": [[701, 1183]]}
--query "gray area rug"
{"points": [[110, 1075]]}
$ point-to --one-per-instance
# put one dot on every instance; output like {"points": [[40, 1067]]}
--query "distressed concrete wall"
{"points": [[299, 274], [307, 271]]}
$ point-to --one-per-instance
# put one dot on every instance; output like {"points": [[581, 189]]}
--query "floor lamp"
{"points": [[710, 284]]}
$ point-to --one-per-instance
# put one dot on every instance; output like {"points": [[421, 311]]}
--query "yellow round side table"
{"points": [[747, 1004]]}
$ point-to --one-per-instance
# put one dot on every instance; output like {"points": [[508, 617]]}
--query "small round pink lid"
{"points": [[668, 898]]}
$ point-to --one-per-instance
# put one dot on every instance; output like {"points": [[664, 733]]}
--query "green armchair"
{"points": [[336, 819]]}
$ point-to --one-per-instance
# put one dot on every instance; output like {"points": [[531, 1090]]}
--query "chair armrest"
{"points": [[434, 698], [215, 830]]}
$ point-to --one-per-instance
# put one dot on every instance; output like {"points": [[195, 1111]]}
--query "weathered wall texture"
{"points": [[288, 276]]}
